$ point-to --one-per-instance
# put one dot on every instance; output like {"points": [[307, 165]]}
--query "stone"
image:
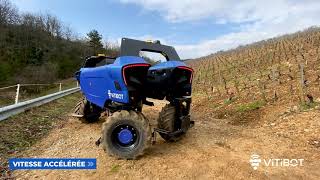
{"points": [[295, 108]]}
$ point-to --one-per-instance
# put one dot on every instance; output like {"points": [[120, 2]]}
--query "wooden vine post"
{"points": [[302, 84]]}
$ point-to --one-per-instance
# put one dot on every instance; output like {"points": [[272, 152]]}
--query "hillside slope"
{"points": [[284, 69]]}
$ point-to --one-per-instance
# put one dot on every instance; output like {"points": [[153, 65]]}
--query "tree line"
{"points": [[40, 48]]}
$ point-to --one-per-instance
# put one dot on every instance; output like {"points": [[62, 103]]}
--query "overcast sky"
{"points": [[195, 27]]}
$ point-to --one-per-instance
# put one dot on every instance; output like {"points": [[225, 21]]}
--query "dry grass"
{"points": [[21, 131]]}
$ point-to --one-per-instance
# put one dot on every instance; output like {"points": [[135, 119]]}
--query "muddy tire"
{"points": [[126, 135], [166, 121], [90, 112]]}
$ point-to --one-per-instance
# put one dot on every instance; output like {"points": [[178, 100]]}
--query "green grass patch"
{"points": [[213, 105], [250, 106], [229, 101], [115, 168], [6, 101], [307, 106]]}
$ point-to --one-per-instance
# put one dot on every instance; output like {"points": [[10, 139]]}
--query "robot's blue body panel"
{"points": [[98, 84]]}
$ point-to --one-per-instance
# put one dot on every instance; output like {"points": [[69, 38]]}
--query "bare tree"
{"points": [[8, 13]]}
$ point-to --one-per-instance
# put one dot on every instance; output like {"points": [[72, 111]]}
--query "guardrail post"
{"points": [[17, 94], [13, 109], [77, 84], [60, 87]]}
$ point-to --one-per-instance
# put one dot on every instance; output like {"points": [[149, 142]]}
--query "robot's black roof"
{"points": [[131, 47], [100, 60]]}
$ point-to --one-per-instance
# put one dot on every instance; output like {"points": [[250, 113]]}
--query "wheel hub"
{"points": [[125, 136]]}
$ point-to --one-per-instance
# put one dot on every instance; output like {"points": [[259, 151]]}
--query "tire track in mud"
{"points": [[213, 148]]}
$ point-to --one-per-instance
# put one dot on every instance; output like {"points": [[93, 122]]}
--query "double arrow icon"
{"points": [[91, 164]]}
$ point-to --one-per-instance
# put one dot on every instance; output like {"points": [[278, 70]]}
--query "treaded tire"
{"points": [[91, 113], [166, 121], [121, 118]]}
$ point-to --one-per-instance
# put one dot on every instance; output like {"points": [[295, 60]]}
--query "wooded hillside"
{"points": [[39, 48]]}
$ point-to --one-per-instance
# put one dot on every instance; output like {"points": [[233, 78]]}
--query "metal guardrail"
{"points": [[23, 85], [8, 111]]}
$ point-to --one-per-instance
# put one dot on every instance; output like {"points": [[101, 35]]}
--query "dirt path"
{"points": [[214, 148]]}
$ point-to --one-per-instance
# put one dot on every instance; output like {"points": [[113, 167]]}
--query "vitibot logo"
{"points": [[115, 95], [255, 161]]}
